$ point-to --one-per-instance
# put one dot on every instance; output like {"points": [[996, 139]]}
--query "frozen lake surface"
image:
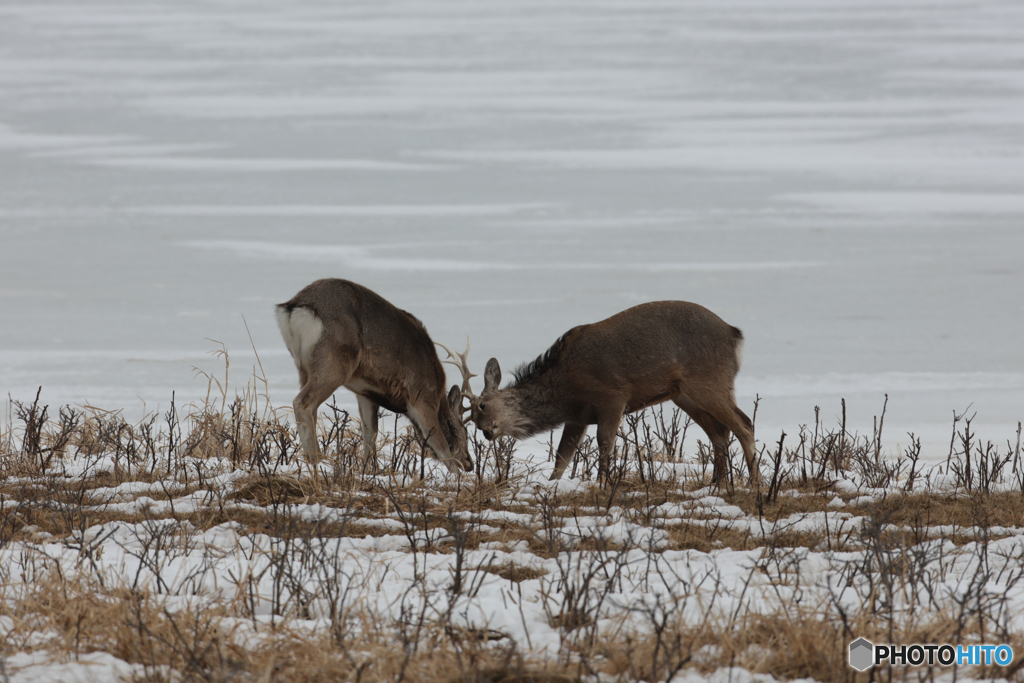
{"points": [[842, 180]]}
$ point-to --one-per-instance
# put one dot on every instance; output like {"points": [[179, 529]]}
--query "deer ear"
{"points": [[492, 375], [455, 398]]}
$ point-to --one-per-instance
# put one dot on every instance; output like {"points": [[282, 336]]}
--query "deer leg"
{"points": [[307, 402], [571, 435], [320, 374], [717, 433], [607, 430], [717, 421], [368, 411], [430, 428], [739, 424]]}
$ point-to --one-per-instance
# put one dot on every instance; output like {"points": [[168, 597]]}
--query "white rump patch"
{"points": [[301, 330], [739, 353]]}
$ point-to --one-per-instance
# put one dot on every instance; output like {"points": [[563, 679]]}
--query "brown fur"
{"points": [[593, 374], [381, 353]]}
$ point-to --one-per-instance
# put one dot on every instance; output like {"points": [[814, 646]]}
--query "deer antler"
{"points": [[459, 361]]}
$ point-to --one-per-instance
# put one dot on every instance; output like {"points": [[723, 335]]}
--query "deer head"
{"points": [[492, 411]]}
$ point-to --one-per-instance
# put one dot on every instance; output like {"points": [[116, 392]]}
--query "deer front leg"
{"points": [[571, 435], [607, 430], [430, 428], [368, 412]]}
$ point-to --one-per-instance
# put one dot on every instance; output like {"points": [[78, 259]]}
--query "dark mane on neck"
{"points": [[527, 372], [415, 321]]}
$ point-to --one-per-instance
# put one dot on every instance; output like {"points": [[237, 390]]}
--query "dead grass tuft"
{"points": [[930, 509], [514, 676], [273, 489], [779, 507], [517, 573]]}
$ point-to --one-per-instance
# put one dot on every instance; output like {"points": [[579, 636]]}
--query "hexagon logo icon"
{"points": [[862, 654]]}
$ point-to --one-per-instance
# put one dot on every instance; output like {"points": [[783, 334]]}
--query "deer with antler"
{"points": [[340, 333], [594, 374]]}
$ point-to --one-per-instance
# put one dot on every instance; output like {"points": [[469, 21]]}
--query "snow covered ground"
{"points": [[561, 573], [842, 180]]}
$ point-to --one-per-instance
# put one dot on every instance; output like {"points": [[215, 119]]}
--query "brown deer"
{"points": [[342, 334], [593, 374]]}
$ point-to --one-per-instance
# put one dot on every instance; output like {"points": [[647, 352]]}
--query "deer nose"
{"points": [[488, 434]]}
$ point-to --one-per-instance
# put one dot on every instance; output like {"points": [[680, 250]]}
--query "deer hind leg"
{"points": [[571, 435], [718, 420], [306, 405], [368, 413], [740, 425], [321, 377], [430, 428], [717, 433]]}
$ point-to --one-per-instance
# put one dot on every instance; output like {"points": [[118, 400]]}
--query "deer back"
{"points": [[393, 350], [655, 340]]}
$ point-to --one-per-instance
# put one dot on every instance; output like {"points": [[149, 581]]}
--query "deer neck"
{"points": [[530, 409]]}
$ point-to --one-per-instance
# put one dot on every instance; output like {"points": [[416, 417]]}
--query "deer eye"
{"points": [[483, 406]]}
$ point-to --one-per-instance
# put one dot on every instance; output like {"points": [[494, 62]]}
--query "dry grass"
{"points": [[1004, 509], [780, 507], [80, 616], [56, 477]]}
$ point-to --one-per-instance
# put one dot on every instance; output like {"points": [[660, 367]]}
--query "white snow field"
{"points": [[843, 180]]}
